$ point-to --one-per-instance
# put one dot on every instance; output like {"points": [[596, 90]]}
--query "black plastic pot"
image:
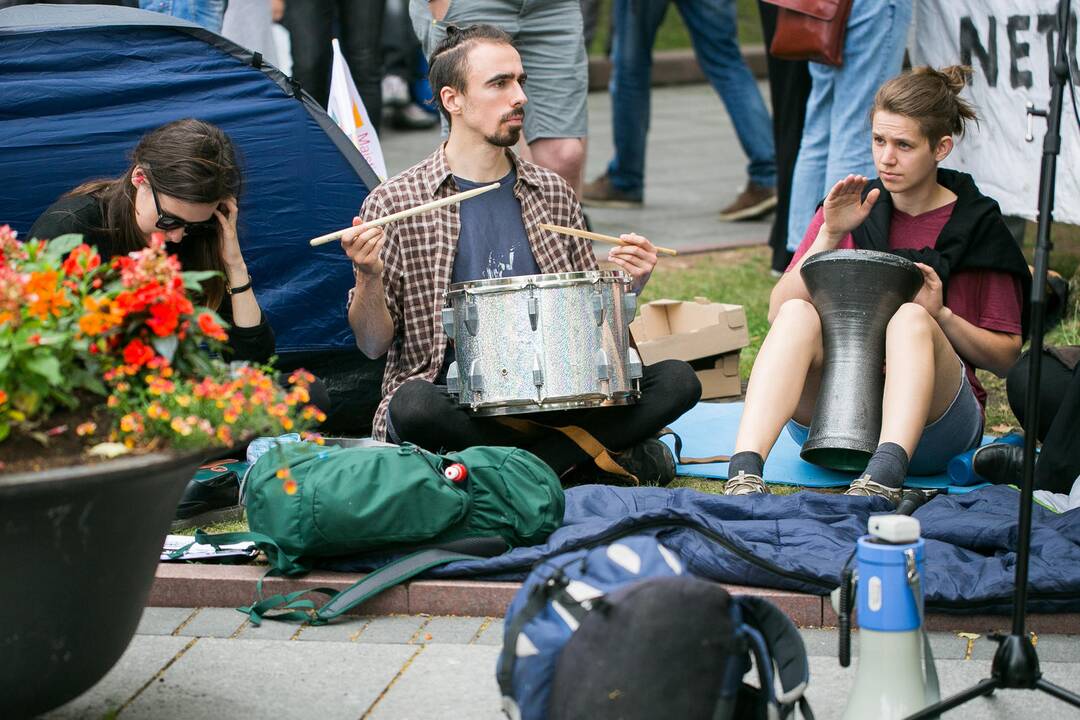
{"points": [[78, 551]]}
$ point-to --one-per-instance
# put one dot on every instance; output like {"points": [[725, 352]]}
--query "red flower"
{"points": [[81, 260], [163, 318], [210, 328], [136, 353]]}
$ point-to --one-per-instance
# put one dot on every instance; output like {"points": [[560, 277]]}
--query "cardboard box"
{"points": [[707, 335]]}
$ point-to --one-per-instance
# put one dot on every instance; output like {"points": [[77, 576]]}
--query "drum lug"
{"points": [[476, 378], [629, 301], [534, 311], [634, 363], [453, 379], [538, 371], [603, 366], [472, 317], [598, 307], [448, 322]]}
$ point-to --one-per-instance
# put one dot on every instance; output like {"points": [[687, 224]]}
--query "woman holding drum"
{"points": [[967, 314], [404, 270]]}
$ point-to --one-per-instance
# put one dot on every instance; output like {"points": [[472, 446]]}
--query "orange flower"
{"points": [[3, 395], [210, 328], [45, 295]]}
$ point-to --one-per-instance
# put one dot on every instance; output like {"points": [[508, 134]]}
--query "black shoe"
{"points": [[650, 461], [999, 463], [219, 493]]}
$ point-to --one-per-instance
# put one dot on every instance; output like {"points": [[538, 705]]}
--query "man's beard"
{"points": [[510, 137]]}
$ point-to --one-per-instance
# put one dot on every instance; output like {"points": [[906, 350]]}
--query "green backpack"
{"points": [[306, 501]]}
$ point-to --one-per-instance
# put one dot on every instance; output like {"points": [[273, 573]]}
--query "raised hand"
{"points": [[845, 208], [637, 257]]}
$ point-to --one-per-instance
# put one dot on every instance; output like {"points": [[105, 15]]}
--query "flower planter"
{"points": [[78, 551]]}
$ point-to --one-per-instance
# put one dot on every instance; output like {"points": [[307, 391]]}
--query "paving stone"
{"points": [[1051, 648], [270, 630], [213, 622], [162, 620], [445, 681], [391, 629], [455, 630], [342, 629], [492, 634], [144, 658], [826, 643], [830, 687], [271, 679]]}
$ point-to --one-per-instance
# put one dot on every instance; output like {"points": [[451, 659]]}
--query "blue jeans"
{"points": [[208, 13], [836, 136], [712, 25]]}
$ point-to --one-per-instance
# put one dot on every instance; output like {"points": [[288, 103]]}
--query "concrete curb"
{"points": [[192, 585], [675, 67]]}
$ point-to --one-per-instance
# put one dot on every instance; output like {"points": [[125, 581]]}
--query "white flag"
{"points": [[347, 110]]}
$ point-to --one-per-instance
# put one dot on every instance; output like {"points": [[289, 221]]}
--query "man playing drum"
{"points": [[968, 313], [404, 269]]}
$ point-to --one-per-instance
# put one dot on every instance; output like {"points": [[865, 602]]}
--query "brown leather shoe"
{"points": [[753, 202], [601, 193]]}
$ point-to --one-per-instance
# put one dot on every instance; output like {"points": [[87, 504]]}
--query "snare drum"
{"points": [[542, 342]]}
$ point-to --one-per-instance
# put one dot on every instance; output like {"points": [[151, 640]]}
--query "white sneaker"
{"points": [[395, 91], [745, 484]]}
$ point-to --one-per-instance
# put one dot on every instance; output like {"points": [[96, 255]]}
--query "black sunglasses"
{"points": [[169, 222]]}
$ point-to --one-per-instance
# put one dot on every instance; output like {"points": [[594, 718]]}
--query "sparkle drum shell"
{"points": [[535, 343]]}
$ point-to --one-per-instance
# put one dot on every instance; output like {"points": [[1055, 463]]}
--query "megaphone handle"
{"points": [[845, 617], [930, 676]]}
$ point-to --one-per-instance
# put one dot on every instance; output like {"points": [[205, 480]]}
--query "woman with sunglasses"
{"points": [[183, 182]]}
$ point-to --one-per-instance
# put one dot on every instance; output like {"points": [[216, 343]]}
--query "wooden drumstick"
{"points": [[336, 235], [610, 239]]}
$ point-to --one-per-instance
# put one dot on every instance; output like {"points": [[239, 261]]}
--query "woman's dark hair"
{"points": [[448, 66], [931, 98], [189, 160]]}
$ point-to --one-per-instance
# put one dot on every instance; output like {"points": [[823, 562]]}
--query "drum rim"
{"points": [[861, 255], [521, 282]]}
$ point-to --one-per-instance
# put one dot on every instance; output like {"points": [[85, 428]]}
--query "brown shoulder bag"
{"points": [[810, 30]]}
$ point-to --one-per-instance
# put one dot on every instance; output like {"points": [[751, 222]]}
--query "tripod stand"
{"points": [[1016, 665]]}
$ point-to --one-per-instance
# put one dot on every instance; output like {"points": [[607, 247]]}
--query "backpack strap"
{"points": [[784, 644], [600, 455], [690, 460]]}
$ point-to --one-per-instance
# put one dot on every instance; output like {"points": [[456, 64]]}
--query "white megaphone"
{"points": [[890, 682]]}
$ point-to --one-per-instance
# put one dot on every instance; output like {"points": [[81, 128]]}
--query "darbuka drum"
{"points": [[542, 342], [856, 293]]}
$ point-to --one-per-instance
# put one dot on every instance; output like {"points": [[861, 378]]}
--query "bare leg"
{"points": [[922, 374], [785, 380], [565, 156]]}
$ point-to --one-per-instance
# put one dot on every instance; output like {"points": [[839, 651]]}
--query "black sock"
{"points": [[888, 465], [748, 462]]}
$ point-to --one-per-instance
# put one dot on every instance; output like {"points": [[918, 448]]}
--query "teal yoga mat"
{"points": [[710, 428]]}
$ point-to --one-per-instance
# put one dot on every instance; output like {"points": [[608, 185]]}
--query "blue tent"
{"points": [[80, 85]]}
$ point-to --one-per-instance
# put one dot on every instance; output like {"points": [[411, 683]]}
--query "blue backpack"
{"points": [[612, 607]]}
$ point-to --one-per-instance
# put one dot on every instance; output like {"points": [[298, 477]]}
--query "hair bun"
{"points": [[955, 77]]}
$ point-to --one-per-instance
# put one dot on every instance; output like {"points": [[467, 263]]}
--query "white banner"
{"points": [[347, 110], [1009, 45]]}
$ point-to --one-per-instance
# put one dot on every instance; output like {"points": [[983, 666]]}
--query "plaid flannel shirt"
{"points": [[418, 257]]}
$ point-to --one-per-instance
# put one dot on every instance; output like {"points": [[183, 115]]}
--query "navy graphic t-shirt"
{"points": [[492, 243]]}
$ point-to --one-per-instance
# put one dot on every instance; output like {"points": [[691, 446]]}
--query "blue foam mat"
{"points": [[710, 429]]}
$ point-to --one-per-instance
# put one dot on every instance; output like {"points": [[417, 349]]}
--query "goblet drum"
{"points": [[856, 293]]}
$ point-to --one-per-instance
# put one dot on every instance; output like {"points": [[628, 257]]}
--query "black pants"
{"points": [[359, 26], [424, 414], [1059, 419], [789, 89], [401, 49]]}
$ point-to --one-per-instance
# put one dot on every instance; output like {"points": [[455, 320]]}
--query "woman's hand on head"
{"points": [[845, 209], [230, 243], [364, 247]]}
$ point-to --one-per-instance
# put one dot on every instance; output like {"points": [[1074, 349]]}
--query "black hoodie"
{"points": [[974, 238]]}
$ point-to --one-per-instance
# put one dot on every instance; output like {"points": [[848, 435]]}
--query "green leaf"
{"points": [[60, 246], [47, 367], [193, 279], [5, 429]]}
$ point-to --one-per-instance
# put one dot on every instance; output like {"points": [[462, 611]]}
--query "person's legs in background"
{"points": [[713, 27], [208, 13], [636, 23], [789, 88], [808, 178], [401, 69], [361, 23], [551, 42], [310, 24]]}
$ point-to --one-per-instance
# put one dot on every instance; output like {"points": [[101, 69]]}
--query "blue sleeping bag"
{"points": [[800, 542]]}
